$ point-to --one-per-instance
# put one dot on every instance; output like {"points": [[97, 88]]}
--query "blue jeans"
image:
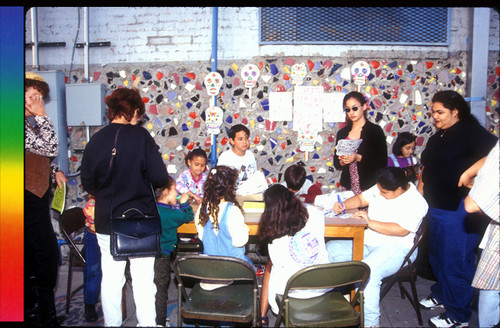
{"points": [[452, 258], [92, 273], [488, 307], [383, 260]]}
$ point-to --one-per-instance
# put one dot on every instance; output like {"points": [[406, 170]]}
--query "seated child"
{"points": [[250, 180], [295, 180], [402, 155], [172, 217], [295, 234], [219, 220], [191, 181]]}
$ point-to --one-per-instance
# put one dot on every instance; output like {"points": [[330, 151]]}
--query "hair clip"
{"points": [[213, 171]]}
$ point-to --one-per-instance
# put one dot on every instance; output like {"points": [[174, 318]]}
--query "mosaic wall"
{"points": [[399, 93]]}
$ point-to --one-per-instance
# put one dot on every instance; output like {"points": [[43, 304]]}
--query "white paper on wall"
{"points": [[332, 107], [280, 106], [308, 108]]}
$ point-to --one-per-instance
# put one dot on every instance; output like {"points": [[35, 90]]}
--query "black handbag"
{"points": [[133, 233]]}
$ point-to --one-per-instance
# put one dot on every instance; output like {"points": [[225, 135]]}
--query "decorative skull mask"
{"points": [[213, 119], [360, 71], [299, 72], [213, 82], [250, 73]]}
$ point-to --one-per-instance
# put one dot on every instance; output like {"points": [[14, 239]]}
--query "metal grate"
{"points": [[356, 25]]}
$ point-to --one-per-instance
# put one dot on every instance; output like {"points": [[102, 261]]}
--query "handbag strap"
{"points": [[111, 169]]}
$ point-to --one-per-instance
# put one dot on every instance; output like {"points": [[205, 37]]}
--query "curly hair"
{"points": [[124, 102], [40, 86], [220, 184], [284, 214]]}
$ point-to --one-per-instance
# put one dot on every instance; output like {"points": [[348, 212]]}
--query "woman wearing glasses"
{"points": [[358, 169]]}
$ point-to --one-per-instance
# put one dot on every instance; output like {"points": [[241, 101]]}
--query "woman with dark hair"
{"points": [[395, 211], [295, 234], [40, 244], [358, 169], [137, 168], [458, 143]]}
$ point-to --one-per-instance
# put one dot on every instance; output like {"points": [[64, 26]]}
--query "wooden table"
{"points": [[335, 227]]}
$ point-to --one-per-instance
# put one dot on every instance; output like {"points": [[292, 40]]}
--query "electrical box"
{"points": [[55, 106], [85, 104]]}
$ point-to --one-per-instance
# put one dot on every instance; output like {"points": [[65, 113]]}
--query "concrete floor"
{"points": [[395, 312]]}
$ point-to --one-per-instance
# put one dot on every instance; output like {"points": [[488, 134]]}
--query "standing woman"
{"points": [[358, 170], [40, 244], [137, 166], [458, 143]]}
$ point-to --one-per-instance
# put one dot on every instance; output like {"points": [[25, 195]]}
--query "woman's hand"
{"points": [[337, 208], [37, 106], [363, 215], [348, 159], [60, 178]]}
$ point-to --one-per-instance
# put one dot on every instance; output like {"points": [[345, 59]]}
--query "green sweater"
{"points": [[171, 219]]}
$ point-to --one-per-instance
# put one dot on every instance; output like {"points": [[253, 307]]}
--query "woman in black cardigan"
{"points": [[358, 170]]}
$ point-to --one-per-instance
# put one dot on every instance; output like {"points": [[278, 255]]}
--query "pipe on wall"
{"points": [[86, 43], [215, 17], [34, 38]]}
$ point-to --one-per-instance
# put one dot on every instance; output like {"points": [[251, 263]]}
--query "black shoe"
{"points": [[90, 313]]}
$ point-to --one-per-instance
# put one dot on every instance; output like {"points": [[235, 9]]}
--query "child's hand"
{"points": [[196, 198], [184, 198], [363, 215]]}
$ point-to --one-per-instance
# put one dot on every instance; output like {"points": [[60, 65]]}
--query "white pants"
{"points": [[113, 279]]}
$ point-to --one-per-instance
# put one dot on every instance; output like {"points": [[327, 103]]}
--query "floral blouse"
{"points": [[185, 183], [40, 138]]}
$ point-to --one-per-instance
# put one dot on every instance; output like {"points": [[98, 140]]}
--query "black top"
{"points": [[373, 148], [447, 155], [137, 163]]}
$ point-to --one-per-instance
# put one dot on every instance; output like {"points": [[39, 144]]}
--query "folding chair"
{"points": [[407, 272], [235, 302], [330, 309], [72, 223]]}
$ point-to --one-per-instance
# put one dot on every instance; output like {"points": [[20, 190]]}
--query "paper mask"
{"points": [[213, 82], [298, 74], [213, 119], [360, 71]]}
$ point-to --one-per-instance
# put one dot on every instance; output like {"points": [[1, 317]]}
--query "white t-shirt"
{"points": [[290, 254], [407, 210], [246, 164], [303, 190]]}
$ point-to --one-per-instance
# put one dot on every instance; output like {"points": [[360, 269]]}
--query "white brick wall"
{"points": [[150, 34]]}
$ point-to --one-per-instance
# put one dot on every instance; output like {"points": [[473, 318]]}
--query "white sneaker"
{"points": [[443, 321], [430, 303]]}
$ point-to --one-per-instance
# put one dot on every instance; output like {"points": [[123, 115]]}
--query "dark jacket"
{"points": [[138, 164], [447, 155], [373, 148]]}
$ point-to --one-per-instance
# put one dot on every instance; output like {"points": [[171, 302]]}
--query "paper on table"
{"points": [[347, 147]]}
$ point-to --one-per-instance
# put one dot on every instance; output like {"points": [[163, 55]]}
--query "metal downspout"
{"points": [[34, 38], [215, 14], [86, 43]]}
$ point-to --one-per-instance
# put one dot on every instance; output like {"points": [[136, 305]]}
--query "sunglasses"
{"points": [[354, 109]]}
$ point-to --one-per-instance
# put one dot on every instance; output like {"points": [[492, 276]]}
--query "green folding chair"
{"points": [[236, 302], [331, 309]]}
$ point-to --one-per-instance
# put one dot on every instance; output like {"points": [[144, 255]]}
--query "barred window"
{"points": [[355, 25]]}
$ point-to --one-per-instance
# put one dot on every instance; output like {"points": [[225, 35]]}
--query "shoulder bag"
{"points": [[133, 233]]}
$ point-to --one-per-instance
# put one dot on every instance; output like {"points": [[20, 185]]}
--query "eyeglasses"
{"points": [[354, 109]]}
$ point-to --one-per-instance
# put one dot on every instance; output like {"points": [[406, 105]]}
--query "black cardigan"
{"points": [[373, 148], [137, 163], [447, 155]]}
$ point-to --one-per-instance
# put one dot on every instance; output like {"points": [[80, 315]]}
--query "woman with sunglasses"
{"points": [[358, 169]]}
